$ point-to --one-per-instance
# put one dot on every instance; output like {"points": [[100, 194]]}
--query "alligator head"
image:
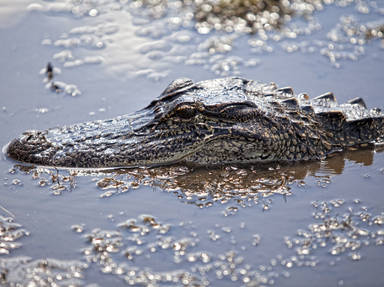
{"points": [[211, 122]]}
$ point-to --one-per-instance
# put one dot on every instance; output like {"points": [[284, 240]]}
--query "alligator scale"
{"points": [[221, 121]]}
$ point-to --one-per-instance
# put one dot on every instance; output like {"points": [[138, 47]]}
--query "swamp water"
{"points": [[313, 224]]}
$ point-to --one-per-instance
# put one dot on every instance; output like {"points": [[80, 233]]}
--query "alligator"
{"points": [[213, 122]]}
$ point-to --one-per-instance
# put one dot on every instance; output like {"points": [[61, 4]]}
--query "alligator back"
{"points": [[350, 124]]}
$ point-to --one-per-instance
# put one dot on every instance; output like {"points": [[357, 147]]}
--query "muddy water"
{"points": [[319, 223]]}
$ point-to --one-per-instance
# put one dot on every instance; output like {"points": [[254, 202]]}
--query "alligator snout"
{"points": [[29, 147]]}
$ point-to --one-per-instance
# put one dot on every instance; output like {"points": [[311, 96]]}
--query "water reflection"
{"points": [[248, 16], [239, 185], [12, 11], [203, 186], [151, 37], [252, 16]]}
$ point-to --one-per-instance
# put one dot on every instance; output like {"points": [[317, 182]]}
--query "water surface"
{"points": [[320, 222]]}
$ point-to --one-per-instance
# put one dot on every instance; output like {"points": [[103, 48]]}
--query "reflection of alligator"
{"points": [[230, 120], [270, 178], [246, 185]]}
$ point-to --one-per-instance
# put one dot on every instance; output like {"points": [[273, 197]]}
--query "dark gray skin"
{"points": [[221, 121]]}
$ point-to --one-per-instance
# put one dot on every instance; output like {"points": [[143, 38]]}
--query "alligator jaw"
{"points": [[126, 141]]}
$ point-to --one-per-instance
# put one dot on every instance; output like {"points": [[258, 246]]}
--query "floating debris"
{"points": [[57, 181], [78, 228], [338, 228], [23, 271], [49, 71], [10, 232], [124, 252], [57, 86], [117, 252], [62, 87]]}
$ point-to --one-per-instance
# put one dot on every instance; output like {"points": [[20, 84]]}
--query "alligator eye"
{"points": [[185, 112]]}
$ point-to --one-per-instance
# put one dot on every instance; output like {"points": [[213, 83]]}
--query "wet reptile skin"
{"points": [[221, 121]]}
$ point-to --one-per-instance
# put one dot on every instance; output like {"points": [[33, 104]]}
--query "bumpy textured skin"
{"points": [[221, 121]]}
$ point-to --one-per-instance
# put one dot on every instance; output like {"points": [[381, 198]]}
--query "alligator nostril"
{"points": [[28, 138], [32, 137]]}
